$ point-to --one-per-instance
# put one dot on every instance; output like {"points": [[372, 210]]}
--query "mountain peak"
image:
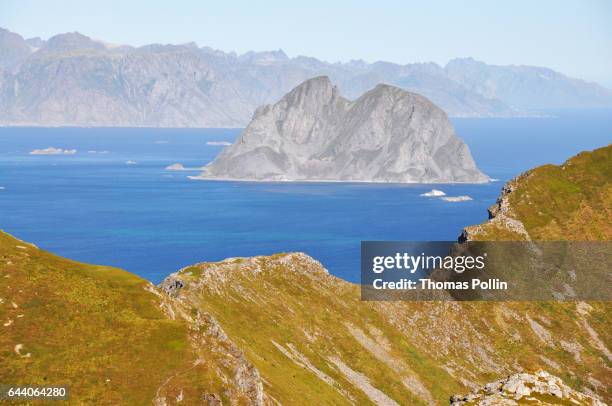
{"points": [[384, 88], [265, 57], [13, 49], [396, 94], [317, 82], [71, 41], [465, 61], [315, 91]]}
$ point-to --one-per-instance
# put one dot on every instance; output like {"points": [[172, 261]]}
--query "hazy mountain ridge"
{"points": [[71, 79], [527, 86], [314, 134]]}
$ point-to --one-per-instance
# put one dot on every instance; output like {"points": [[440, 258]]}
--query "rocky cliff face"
{"points": [[313, 133], [71, 79]]}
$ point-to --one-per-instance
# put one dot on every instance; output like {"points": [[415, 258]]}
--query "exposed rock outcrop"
{"points": [[540, 388], [314, 134], [501, 216]]}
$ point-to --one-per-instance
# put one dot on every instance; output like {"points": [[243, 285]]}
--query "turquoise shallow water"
{"points": [[94, 207]]}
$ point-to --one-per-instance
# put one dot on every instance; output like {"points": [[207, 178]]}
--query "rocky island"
{"points": [[314, 134], [53, 151]]}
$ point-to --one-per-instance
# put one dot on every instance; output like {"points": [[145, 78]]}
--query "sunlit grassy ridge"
{"points": [[302, 328], [97, 329], [295, 321], [572, 201]]}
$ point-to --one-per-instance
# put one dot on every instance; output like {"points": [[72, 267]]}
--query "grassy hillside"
{"points": [[97, 329], [572, 201], [266, 329], [314, 341], [311, 338]]}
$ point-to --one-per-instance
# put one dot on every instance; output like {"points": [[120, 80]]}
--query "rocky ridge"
{"points": [[501, 216], [319, 322]]}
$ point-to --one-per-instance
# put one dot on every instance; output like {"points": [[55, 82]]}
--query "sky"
{"points": [[570, 36]]}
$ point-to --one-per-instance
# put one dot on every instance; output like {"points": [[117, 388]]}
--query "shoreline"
{"points": [[378, 182]]}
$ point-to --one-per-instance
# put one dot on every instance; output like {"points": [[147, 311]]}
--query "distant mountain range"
{"points": [[72, 79]]}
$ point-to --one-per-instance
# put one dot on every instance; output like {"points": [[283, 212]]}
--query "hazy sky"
{"points": [[571, 36]]}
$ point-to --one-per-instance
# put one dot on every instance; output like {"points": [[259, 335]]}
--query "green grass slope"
{"points": [[99, 330], [572, 201], [314, 342]]}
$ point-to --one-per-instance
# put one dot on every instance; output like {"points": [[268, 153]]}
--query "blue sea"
{"points": [[93, 206]]}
